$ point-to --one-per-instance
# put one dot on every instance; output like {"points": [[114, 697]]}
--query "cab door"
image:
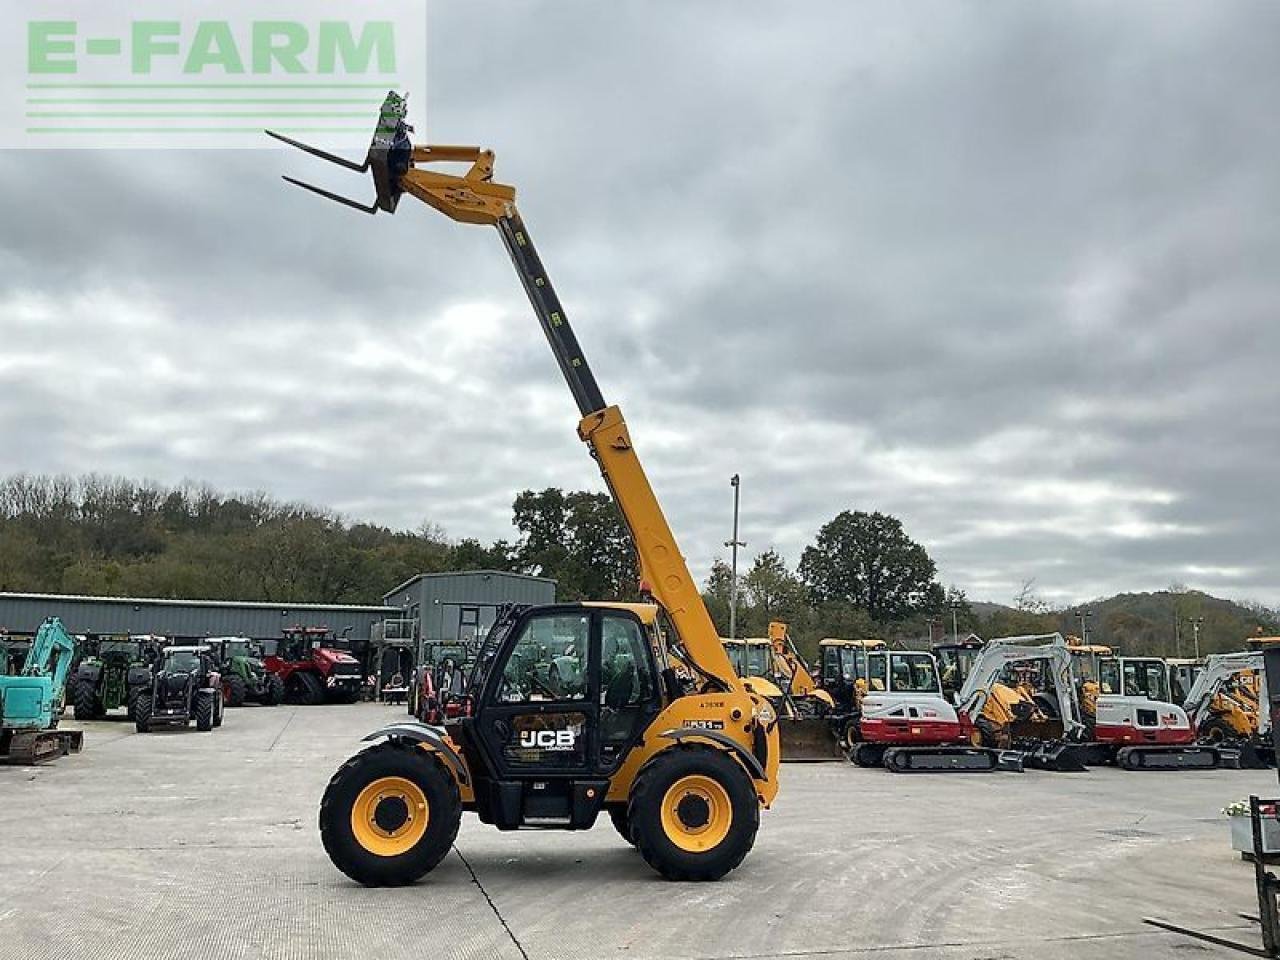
{"points": [[575, 690], [538, 718]]}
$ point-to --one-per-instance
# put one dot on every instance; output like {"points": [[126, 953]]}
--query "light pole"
{"points": [[1196, 623], [1084, 616], [734, 544], [955, 621], [928, 625]]}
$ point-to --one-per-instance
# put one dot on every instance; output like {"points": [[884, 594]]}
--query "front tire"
{"points": [[85, 702], [389, 815], [233, 690], [693, 813], [275, 691], [204, 708], [142, 713], [618, 817]]}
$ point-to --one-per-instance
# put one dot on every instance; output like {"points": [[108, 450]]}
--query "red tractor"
{"points": [[313, 668]]}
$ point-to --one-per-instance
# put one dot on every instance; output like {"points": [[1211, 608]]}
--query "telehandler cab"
{"points": [[682, 770]]}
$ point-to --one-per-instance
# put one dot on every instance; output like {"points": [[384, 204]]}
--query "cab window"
{"points": [[913, 673], [626, 672], [1109, 677], [759, 660], [547, 662], [877, 672], [1146, 678]]}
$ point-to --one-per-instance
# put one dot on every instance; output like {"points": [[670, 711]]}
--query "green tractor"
{"points": [[101, 682], [244, 678]]}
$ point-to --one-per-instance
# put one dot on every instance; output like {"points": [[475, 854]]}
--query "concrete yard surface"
{"points": [[186, 845]]}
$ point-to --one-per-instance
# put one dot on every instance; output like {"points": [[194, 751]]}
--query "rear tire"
{"points": [[85, 702], [142, 713], [219, 708], [618, 817], [392, 867], [693, 813], [204, 707], [233, 691]]}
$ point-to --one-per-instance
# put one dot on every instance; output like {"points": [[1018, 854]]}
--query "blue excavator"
{"points": [[31, 701]]}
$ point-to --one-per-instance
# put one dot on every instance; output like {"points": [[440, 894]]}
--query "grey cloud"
{"points": [[930, 259]]}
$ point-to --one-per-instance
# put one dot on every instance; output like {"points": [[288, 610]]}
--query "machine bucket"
{"points": [[807, 740], [1058, 757]]}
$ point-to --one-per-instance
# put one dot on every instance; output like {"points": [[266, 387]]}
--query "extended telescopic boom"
{"points": [[474, 198]]}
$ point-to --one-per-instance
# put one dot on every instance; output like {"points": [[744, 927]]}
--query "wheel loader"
{"points": [[682, 769]]}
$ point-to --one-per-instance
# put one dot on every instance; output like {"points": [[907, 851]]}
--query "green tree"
{"points": [[769, 591], [579, 539], [716, 592], [867, 560]]}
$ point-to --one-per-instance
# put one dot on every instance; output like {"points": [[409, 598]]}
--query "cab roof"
{"points": [[647, 612], [871, 644]]}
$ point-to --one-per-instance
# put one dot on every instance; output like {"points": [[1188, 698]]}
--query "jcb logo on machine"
{"points": [[550, 740], [704, 724]]}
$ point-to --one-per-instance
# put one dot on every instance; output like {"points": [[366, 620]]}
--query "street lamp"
{"points": [[734, 544], [1196, 624], [955, 620], [1084, 616], [928, 625]]}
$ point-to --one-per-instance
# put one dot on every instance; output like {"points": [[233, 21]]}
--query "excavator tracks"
{"points": [[28, 747], [1177, 758]]}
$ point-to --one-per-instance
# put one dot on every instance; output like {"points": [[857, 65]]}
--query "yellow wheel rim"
{"points": [[696, 813], [390, 816]]}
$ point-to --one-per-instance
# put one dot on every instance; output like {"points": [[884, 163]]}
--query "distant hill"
{"points": [[1144, 623]]}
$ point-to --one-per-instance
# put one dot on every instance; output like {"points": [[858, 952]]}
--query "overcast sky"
{"points": [[1006, 271]]}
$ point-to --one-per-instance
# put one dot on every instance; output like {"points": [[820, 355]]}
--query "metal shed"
{"points": [[462, 606], [22, 613]]}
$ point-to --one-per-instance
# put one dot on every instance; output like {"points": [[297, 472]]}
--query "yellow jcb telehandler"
{"points": [[681, 769]]}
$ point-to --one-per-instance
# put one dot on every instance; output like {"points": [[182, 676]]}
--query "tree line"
{"points": [[863, 575]]}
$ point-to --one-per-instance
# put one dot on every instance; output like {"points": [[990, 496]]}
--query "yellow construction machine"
{"points": [[844, 669], [752, 659], [772, 667], [805, 708], [682, 769]]}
